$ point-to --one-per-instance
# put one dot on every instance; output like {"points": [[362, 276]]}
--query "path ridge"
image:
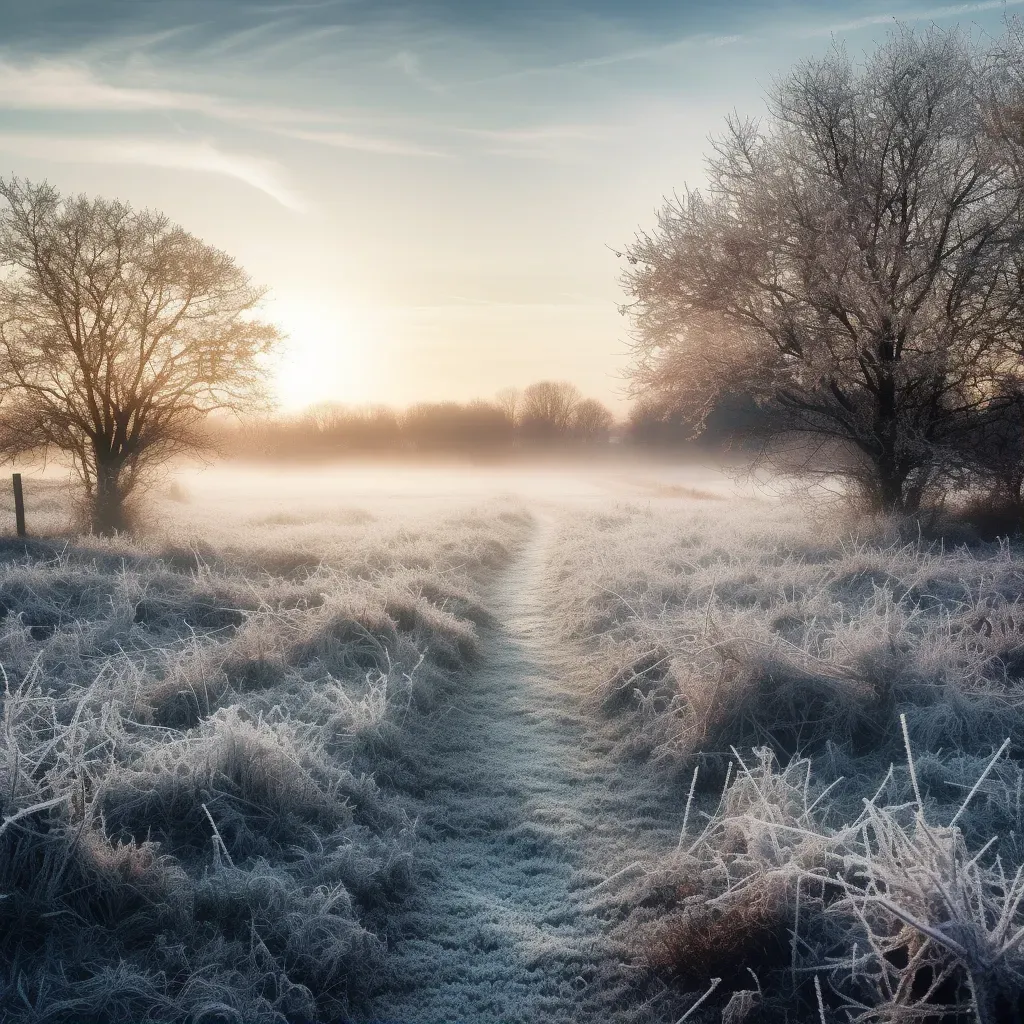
{"points": [[523, 813]]}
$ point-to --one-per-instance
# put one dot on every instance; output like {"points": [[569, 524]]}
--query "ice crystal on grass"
{"points": [[190, 829], [838, 704]]}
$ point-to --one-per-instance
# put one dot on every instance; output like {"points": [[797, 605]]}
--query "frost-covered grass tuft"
{"points": [[896, 915], [843, 717], [190, 829], [745, 627]]}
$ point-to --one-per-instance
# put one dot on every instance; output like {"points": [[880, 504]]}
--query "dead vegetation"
{"points": [[190, 829], [845, 714]]}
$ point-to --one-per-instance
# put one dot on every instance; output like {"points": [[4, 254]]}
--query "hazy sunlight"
{"points": [[328, 355]]}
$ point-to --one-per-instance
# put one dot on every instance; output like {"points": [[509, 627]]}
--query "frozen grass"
{"points": [[767, 665], [216, 741], [190, 829]]}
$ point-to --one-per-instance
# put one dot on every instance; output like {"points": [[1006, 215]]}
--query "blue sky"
{"points": [[428, 189]]}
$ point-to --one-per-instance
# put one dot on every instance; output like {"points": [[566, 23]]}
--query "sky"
{"points": [[431, 192]]}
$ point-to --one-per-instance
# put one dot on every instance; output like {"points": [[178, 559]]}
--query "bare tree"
{"points": [[452, 426], [119, 332], [325, 417], [508, 400], [546, 409], [855, 265], [591, 421]]}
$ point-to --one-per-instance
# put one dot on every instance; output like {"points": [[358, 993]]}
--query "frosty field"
{"points": [[506, 745]]}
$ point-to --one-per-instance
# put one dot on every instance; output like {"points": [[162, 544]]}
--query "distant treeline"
{"points": [[546, 416]]}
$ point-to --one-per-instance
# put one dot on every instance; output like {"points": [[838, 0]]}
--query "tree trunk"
{"points": [[108, 511], [890, 487], [892, 475]]}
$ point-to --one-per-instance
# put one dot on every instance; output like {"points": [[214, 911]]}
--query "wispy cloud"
{"points": [[263, 175], [280, 37], [551, 141], [47, 85], [646, 50], [362, 143], [73, 86], [541, 133], [301, 5], [643, 51], [909, 14], [655, 52], [412, 67]]}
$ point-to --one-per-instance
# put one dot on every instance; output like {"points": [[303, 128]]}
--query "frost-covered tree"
{"points": [[591, 421], [508, 401], [119, 332], [546, 409], [855, 264]]}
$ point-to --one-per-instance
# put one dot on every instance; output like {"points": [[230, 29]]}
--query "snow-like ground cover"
{"points": [[191, 829], [842, 718], [528, 828], [494, 745]]}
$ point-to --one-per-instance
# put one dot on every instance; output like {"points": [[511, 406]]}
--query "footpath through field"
{"points": [[523, 814]]}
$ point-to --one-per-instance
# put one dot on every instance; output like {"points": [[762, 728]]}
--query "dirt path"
{"points": [[522, 816]]}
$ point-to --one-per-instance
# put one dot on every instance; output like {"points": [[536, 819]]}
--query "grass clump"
{"points": [[783, 670], [190, 828]]}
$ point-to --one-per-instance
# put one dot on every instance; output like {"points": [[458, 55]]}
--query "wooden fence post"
{"points": [[19, 505]]}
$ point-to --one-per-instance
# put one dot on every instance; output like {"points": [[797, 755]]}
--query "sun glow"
{"points": [[326, 357]]}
